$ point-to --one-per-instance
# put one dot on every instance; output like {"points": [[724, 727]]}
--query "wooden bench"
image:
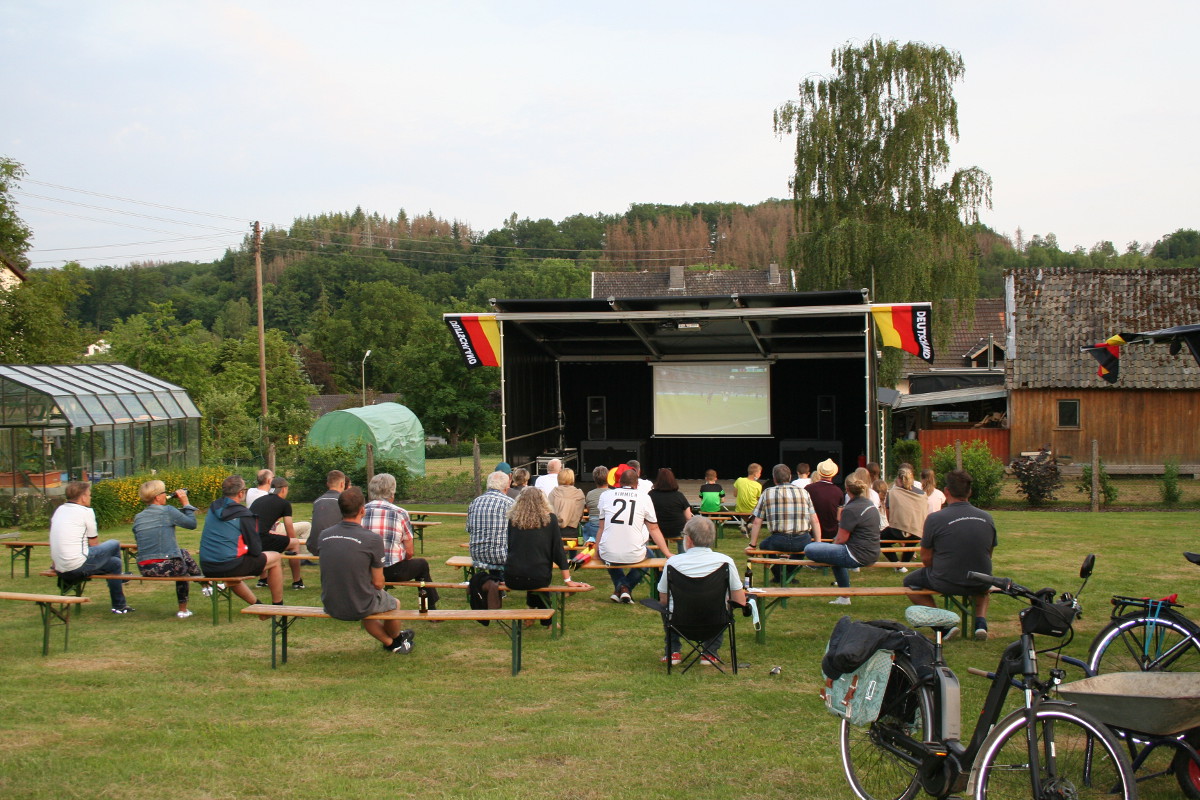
{"points": [[18, 549], [651, 566], [53, 607], [794, 565], [779, 595], [220, 587], [283, 617], [557, 595]]}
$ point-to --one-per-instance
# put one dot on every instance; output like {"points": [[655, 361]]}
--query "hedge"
{"points": [[116, 500]]}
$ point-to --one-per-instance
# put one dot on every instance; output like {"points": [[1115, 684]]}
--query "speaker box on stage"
{"points": [[593, 454], [597, 417], [813, 452]]}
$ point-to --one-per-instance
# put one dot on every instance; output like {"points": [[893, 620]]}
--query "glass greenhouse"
{"points": [[90, 422]]}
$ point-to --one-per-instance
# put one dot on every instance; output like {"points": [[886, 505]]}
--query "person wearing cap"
{"points": [[159, 554], [826, 498], [274, 508]]}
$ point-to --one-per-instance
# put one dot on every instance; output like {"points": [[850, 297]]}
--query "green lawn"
{"points": [[147, 706]]}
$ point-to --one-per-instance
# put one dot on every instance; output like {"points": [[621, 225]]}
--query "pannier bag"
{"points": [[858, 695], [1048, 619]]}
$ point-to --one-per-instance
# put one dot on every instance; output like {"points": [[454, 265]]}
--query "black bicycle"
{"points": [[1046, 750], [1148, 636]]}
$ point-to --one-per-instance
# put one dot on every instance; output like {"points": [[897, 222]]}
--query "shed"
{"points": [[392, 429], [89, 422]]}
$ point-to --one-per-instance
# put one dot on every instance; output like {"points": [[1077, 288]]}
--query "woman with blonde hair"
{"points": [[857, 540], [567, 500], [535, 547], [906, 511], [159, 554]]}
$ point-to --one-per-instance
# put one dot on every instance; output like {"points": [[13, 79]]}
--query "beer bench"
{"points": [[779, 595], [283, 617], [47, 605], [557, 595], [220, 587], [18, 549]]}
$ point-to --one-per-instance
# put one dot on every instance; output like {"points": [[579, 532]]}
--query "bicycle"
{"points": [[1148, 636], [1046, 750]]}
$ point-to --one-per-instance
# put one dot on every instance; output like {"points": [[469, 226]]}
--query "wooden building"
{"points": [[1056, 398]]}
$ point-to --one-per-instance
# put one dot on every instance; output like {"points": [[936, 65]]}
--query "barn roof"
{"points": [[1057, 311]]}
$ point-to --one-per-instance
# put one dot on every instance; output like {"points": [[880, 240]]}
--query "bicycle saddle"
{"points": [[926, 617]]}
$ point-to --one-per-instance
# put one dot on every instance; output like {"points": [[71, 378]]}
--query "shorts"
{"points": [[274, 542], [918, 579], [245, 566], [383, 602]]}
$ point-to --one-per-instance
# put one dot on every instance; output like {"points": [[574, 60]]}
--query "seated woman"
{"points": [[600, 478], [857, 540], [907, 508], [159, 555], [567, 501], [534, 548], [670, 505]]}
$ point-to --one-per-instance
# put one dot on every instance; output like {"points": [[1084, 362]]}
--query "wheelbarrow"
{"points": [[1148, 710]]}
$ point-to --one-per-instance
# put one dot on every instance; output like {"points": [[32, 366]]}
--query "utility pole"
{"points": [[262, 344]]}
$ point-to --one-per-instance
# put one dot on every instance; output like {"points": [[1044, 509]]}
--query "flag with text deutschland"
{"points": [[907, 327], [1108, 353], [477, 337]]}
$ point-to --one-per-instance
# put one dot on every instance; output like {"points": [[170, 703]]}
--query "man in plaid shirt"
{"points": [[789, 513], [487, 524], [391, 522]]}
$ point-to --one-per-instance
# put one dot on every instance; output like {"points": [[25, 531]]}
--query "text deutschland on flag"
{"points": [[907, 327], [478, 338]]}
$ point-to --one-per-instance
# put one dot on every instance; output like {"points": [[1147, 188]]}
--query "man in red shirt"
{"points": [[826, 498]]}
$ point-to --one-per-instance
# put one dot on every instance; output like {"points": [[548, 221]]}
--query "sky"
{"points": [[159, 131]]}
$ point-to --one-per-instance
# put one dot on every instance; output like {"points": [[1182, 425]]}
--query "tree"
{"points": [[34, 324], [15, 235], [872, 147], [156, 343]]}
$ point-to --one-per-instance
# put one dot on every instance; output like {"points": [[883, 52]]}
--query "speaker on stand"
{"points": [[597, 418]]}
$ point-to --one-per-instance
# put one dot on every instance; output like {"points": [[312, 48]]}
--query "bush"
{"points": [[987, 471], [1038, 477], [1108, 490], [458, 488], [116, 500], [31, 511], [1169, 484], [462, 450], [312, 464], [904, 451]]}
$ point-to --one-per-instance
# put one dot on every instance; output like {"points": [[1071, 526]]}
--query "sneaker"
{"points": [[262, 583], [709, 661], [951, 634], [626, 597], [676, 659], [402, 644], [856, 569], [616, 598], [298, 584], [207, 590], [981, 634], [183, 614], [840, 601], [901, 570], [124, 610], [221, 586]]}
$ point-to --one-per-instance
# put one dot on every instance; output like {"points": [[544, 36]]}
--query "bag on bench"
{"points": [[858, 695]]}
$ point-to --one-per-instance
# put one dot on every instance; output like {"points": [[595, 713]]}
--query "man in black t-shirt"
{"points": [[956, 540], [275, 526]]}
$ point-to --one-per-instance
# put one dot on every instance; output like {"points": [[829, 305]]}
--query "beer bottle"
{"points": [[422, 598]]}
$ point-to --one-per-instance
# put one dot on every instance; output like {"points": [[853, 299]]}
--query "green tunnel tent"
{"points": [[393, 429]]}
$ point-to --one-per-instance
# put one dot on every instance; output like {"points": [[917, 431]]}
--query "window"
{"points": [[1068, 413]]}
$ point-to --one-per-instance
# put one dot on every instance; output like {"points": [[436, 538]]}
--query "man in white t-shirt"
{"points": [[75, 547], [627, 522], [803, 475], [549, 482], [264, 478], [643, 485]]}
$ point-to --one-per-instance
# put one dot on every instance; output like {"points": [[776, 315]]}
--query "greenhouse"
{"points": [[392, 429], [90, 422]]}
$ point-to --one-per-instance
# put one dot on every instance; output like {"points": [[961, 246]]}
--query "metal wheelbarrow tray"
{"points": [[1155, 703]]}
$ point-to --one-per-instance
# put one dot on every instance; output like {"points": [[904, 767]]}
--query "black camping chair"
{"points": [[699, 611]]}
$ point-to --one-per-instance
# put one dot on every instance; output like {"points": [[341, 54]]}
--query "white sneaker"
{"points": [[183, 614], [840, 601], [616, 598], [901, 570], [207, 591], [856, 569]]}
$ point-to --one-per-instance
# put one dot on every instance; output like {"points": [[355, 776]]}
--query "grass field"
{"points": [[147, 706]]}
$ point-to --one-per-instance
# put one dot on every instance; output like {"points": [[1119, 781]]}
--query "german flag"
{"points": [[907, 327], [478, 337], [1108, 353]]}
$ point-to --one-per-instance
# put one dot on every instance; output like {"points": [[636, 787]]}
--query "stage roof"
{"points": [[791, 325]]}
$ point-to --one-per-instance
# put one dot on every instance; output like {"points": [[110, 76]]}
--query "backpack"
{"points": [[483, 592], [858, 695]]}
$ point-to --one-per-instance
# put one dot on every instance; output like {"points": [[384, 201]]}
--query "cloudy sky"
{"points": [[166, 127]]}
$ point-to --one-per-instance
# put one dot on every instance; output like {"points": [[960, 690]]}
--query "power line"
{"points": [[108, 221], [114, 210], [131, 200], [130, 244]]}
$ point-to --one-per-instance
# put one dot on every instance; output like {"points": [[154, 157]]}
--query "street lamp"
{"points": [[364, 376]]}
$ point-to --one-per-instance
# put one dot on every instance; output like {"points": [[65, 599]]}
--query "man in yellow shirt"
{"points": [[746, 490]]}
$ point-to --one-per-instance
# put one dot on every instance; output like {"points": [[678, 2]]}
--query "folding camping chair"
{"points": [[698, 610]]}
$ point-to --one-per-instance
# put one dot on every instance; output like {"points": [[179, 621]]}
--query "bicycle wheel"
{"points": [[1078, 757], [1187, 772], [875, 766], [1168, 643]]}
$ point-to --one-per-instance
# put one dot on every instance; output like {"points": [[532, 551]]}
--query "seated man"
{"points": [[487, 525], [352, 576], [698, 560], [956, 540], [262, 489], [75, 548], [391, 522], [627, 522], [325, 511], [788, 511], [276, 529], [230, 547]]}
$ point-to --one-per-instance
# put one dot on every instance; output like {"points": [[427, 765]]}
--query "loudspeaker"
{"points": [[608, 454], [826, 418], [597, 417], [812, 451]]}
